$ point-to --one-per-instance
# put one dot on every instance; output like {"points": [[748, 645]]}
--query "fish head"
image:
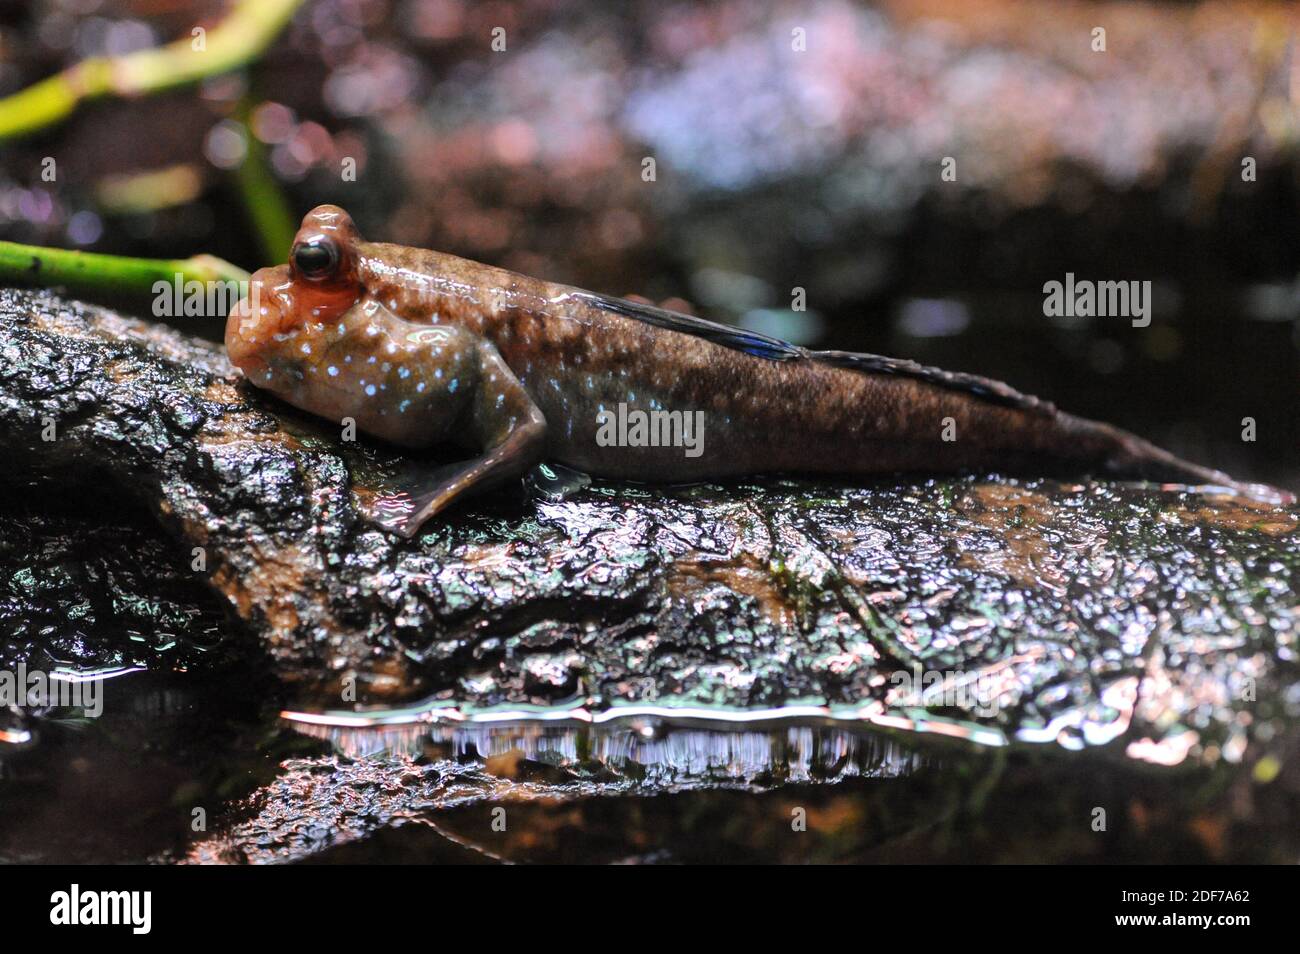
{"points": [[287, 305]]}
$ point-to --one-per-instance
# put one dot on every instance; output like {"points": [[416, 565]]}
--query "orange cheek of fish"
{"points": [[320, 303], [278, 306]]}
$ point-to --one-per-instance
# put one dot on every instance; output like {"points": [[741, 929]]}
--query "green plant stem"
{"points": [[32, 264], [264, 201], [238, 39]]}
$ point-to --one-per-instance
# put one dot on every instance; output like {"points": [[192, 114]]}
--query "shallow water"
{"points": [[125, 787]]}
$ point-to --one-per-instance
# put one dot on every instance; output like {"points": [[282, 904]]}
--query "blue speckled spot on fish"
{"points": [[332, 371]]}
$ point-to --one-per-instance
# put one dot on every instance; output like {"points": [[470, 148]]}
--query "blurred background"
{"points": [[775, 168]]}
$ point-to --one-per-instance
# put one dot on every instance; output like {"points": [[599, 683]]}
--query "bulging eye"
{"points": [[316, 259]]}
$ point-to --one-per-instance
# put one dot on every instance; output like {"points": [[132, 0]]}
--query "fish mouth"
{"points": [[257, 318]]}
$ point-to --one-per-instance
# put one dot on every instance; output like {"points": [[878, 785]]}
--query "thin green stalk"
{"points": [[33, 264], [238, 39], [264, 201]]}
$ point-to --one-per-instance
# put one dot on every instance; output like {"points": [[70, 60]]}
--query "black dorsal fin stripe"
{"points": [[774, 349], [738, 339], [986, 388]]}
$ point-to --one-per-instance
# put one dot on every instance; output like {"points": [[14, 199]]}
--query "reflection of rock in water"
{"points": [[961, 807], [651, 754]]}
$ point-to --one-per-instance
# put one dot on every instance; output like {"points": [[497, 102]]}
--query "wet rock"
{"points": [[1160, 623], [94, 588], [90, 588]]}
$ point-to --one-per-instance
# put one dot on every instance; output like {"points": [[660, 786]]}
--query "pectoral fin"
{"points": [[504, 421], [399, 506], [405, 511]]}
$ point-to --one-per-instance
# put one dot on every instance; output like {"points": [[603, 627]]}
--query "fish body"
{"points": [[421, 348]]}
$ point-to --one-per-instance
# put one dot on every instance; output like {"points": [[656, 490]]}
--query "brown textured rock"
{"points": [[1089, 614]]}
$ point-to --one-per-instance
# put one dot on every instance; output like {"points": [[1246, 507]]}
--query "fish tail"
{"points": [[1126, 455], [1067, 438]]}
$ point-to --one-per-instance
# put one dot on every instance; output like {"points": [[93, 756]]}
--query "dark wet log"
{"points": [[1085, 613], [86, 586]]}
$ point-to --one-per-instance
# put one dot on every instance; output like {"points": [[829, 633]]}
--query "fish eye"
{"points": [[315, 259]]}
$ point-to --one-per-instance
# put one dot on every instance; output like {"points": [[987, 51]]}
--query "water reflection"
{"points": [[652, 752]]}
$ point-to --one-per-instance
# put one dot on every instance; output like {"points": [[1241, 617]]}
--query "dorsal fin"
{"points": [[774, 349], [986, 388], [738, 339]]}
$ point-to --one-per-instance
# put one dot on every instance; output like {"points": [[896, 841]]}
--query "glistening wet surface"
{"points": [[126, 789], [1081, 649], [966, 668]]}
